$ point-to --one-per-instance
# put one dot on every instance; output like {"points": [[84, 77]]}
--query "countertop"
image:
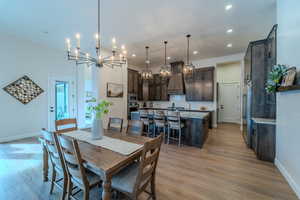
{"points": [[184, 110], [190, 114], [264, 121]]}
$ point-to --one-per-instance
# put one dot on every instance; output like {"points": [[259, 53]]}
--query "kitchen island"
{"points": [[196, 126]]}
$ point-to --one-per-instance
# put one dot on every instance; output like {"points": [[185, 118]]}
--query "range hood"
{"points": [[176, 83]]}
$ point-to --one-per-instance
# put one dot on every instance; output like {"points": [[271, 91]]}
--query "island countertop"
{"points": [[188, 114], [181, 110]]}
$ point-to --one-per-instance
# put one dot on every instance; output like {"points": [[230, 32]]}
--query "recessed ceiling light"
{"points": [[229, 31], [195, 52], [133, 55], [228, 7], [169, 58], [229, 45]]}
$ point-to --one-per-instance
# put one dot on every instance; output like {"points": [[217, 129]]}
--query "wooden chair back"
{"points": [[135, 127], [53, 148], [115, 124], [72, 159], [148, 164], [173, 119], [65, 125]]}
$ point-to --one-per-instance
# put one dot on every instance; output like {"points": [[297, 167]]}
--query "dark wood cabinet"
{"points": [[133, 81], [135, 84], [158, 88], [264, 141], [200, 85]]}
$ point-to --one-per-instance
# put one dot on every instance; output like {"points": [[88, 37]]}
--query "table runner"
{"points": [[113, 144]]}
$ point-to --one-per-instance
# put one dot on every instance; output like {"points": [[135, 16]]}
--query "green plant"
{"points": [[100, 109], [275, 77]]}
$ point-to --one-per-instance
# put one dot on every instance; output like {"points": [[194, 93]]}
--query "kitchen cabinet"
{"points": [[158, 88], [135, 84], [133, 81], [200, 84], [264, 138]]}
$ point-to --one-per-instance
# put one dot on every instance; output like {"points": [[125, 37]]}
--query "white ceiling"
{"points": [[137, 23]]}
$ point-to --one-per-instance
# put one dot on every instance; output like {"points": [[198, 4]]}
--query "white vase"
{"points": [[97, 129]]}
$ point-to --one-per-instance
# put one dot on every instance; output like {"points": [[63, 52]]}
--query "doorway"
{"points": [[229, 102], [61, 100]]}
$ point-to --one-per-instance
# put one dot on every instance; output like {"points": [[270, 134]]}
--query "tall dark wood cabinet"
{"points": [[200, 84], [259, 60]]}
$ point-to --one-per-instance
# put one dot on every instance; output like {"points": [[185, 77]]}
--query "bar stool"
{"points": [[174, 123], [159, 121], [145, 118]]}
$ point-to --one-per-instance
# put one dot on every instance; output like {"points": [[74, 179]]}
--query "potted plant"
{"points": [[275, 77], [98, 111]]}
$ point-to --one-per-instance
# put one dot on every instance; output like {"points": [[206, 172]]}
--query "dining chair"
{"points": [[78, 175], [144, 115], [174, 124], [135, 127], [134, 179], [115, 124], [65, 125], [159, 121], [57, 162]]}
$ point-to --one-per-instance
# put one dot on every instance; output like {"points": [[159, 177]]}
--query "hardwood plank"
{"points": [[224, 169]]}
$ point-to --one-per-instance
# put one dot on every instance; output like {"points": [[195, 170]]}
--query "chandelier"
{"points": [[147, 73], [188, 67], [117, 57], [165, 69]]}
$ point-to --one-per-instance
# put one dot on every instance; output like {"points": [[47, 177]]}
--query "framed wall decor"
{"points": [[289, 78], [23, 89], [114, 90]]}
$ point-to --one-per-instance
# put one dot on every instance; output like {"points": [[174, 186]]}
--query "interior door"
{"points": [[229, 102], [61, 100]]}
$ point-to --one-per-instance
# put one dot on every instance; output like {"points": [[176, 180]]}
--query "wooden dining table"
{"points": [[101, 161]]}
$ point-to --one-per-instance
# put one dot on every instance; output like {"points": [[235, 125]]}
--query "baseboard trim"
{"points": [[18, 137], [288, 177]]}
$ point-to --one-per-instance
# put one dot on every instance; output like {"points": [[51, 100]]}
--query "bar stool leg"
{"points": [[168, 134], [179, 143]]}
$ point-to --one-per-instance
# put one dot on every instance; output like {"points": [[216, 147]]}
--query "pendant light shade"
{"points": [[147, 73], [165, 70], [188, 67]]}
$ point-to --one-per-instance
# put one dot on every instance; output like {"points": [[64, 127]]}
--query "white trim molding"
{"points": [[18, 137], [288, 177]]}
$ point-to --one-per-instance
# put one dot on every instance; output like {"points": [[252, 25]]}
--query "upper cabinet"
{"points": [[158, 88], [135, 83], [200, 84]]}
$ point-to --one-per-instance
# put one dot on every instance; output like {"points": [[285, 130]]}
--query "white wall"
{"points": [[18, 58], [229, 72], [288, 109], [114, 75]]}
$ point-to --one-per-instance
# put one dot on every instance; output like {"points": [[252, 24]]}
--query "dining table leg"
{"points": [[106, 184], [45, 164]]}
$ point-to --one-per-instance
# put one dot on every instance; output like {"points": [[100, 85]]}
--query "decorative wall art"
{"points": [[23, 89], [289, 78], [114, 90]]}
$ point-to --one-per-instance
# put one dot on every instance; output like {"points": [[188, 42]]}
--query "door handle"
{"points": [[222, 106]]}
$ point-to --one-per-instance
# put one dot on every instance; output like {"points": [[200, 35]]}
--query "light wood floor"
{"points": [[223, 169]]}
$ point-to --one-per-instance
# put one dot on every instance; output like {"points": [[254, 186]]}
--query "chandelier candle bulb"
{"points": [[78, 40], [68, 44], [97, 41]]}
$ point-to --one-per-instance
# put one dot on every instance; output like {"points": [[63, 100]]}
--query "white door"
{"points": [[229, 102], [61, 100]]}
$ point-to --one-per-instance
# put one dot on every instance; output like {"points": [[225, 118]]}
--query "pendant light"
{"points": [[147, 73], [188, 67], [165, 70]]}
